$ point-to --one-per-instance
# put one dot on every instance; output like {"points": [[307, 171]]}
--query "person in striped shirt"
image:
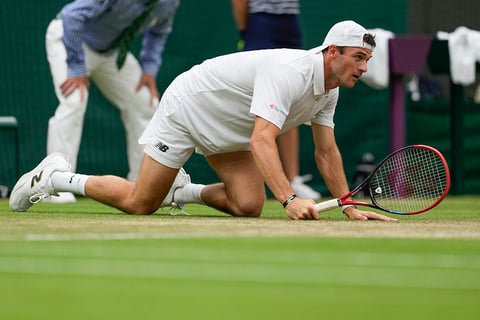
{"points": [[83, 43]]}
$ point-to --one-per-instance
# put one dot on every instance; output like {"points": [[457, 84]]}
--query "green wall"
{"points": [[202, 29]]}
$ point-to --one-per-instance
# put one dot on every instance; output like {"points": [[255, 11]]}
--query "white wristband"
{"points": [[346, 206]]}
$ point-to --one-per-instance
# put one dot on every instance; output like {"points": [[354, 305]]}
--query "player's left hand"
{"points": [[355, 214]]}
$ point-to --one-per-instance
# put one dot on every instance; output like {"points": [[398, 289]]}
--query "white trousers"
{"points": [[66, 125]]}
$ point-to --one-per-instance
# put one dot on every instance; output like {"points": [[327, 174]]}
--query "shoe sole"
{"points": [[63, 197]]}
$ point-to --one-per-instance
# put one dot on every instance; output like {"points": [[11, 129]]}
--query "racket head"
{"points": [[411, 180]]}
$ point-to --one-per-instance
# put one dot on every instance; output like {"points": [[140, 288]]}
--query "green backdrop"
{"points": [[202, 29]]}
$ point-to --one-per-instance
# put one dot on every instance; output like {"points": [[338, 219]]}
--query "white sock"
{"points": [[69, 182], [189, 194]]}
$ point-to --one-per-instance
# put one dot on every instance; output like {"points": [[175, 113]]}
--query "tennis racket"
{"points": [[411, 180]]}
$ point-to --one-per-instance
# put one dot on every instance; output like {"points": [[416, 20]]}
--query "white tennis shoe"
{"points": [[303, 190], [36, 185], [181, 180]]}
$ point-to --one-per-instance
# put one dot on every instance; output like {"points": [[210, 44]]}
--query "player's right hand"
{"points": [[302, 209]]}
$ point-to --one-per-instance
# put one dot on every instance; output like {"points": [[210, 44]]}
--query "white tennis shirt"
{"points": [[215, 103]]}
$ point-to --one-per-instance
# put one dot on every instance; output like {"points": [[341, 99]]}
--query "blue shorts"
{"points": [[270, 31]]}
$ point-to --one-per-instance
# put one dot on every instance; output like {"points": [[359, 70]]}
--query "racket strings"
{"points": [[409, 181]]}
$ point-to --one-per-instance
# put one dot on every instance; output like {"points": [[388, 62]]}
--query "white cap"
{"points": [[347, 33]]}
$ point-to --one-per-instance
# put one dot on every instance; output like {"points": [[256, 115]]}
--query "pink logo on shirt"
{"points": [[273, 107]]}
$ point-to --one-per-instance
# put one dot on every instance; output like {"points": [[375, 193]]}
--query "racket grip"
{"points": [[327, 205]]}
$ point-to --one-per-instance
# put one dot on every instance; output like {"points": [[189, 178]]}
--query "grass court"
{"points": [[89, 261]]}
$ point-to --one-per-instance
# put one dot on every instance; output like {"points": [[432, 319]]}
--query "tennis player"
{"points": [[230, 109]]}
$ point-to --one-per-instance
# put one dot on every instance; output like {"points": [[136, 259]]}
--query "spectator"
{"points": [[90, 39]]}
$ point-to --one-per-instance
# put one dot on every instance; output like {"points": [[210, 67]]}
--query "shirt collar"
{"points": [[318, 72]]}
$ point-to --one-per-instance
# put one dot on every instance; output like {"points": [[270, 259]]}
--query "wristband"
{"points": [[241, 41], [242, 34], [346, 207], [289, 199]]}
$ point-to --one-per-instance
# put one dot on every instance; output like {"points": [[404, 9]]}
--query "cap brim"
{"points": [[319, 48]]}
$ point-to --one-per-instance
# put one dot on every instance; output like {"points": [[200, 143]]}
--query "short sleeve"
{"points": [[276, 88]]}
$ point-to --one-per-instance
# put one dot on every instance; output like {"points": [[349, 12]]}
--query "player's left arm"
{"points": [[329, 160], [330, 164]]}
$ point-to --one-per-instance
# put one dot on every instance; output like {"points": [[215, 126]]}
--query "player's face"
{"points": [[350, 65]]}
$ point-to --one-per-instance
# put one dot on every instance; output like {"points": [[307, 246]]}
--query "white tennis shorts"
{"points": [[184, 124]]}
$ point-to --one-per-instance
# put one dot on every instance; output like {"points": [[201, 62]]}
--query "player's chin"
{"points": [[350, 83], [355, 79]]}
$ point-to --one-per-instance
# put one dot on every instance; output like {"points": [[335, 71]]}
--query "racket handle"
{"points": [[327, 205]]}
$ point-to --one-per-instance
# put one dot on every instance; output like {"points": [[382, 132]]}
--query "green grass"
{"points": [[88, 261]]}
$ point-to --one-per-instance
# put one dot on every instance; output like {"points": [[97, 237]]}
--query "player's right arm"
{"points": [[265, 152]]}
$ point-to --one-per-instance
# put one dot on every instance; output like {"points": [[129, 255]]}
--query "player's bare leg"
{"points": [[242, 192], [143, 197]]}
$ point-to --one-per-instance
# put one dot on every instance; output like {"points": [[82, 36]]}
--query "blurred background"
{"points": [[204, 29]]}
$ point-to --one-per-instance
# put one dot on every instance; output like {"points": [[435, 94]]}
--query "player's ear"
{"points": [[332, 50]]}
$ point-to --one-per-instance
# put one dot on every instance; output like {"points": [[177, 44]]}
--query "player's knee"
{"points": [[138, 212], [141, 209], [249, 209]]}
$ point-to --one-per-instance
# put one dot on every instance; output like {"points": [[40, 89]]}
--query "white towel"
{"points": [[464, 49], [378, 72]]}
